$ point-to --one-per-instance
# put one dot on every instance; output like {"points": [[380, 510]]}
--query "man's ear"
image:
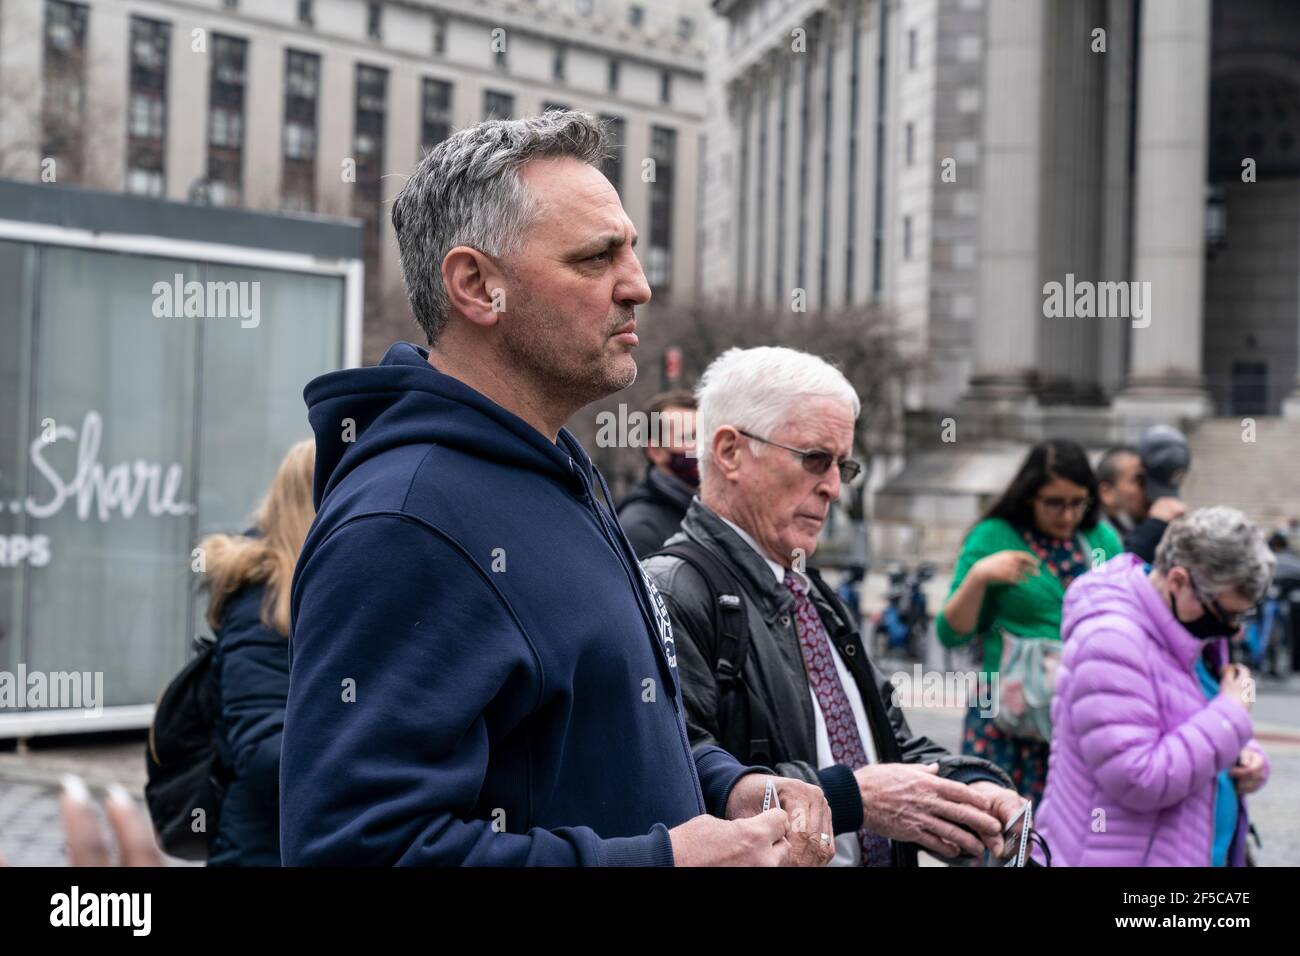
{"points": [[727, 449], [475, 285], [658, 456]]}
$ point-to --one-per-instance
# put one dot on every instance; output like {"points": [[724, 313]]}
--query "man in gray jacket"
{"points": [[775, 431]]}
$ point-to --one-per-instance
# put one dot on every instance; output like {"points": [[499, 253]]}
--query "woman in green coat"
{"points": [[1011, 575]]}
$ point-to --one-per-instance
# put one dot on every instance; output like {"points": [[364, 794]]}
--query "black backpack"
{"points": [[188, 770], [743, 722]]}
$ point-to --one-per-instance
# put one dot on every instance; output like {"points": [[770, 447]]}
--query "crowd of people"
{"points": [[477, 660]]}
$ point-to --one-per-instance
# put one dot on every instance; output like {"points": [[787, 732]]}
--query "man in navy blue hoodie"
{"points": [[480, 671]]}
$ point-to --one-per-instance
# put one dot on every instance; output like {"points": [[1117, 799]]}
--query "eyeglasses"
{"points": [[1233, 620], [1061, 505], [817, 462]]}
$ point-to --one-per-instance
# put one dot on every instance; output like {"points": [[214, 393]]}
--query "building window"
{"points": [[761, 96], [497, 105], [147, 107], [851, 232], [368, 141], [878, 173], [828, 106], [305, 14], [226, 119], [552, 105], [907, 238], [685, 28], [436, 123], [375, 21], [612, 164], [613, 76], [301, 95], [230, 4], [742, 211], [665, 86], [368, 151], [659, 262], [909, 142], [439, 34], [911, 49], [557, 64], [635, 15], [782, 132], [805, 146], [582, 7], [63, 120]]}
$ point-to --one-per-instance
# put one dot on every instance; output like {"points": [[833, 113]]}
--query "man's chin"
{"points": [[803, 546], [620, 373]]}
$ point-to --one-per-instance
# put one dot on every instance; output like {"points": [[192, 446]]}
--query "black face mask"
{"points": [[686, 467], [1206, 627]]}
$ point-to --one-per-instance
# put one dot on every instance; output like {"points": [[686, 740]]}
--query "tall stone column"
{"points": [[1117, 212], [1165, 379], [1010, 302]]}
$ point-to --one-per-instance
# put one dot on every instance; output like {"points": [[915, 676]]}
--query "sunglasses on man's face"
{"points": [[816, 461]]}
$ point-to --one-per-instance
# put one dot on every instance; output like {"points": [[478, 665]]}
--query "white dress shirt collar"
{"points": [[778, 569]]}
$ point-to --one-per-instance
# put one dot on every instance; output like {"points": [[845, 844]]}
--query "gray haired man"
{"points": [[775, 438], [508, 674]]}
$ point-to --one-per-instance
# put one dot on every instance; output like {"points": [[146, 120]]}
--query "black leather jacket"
{"points": [[775, 678]]}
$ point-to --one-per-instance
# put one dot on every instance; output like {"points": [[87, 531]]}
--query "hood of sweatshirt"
{"points": [[359, 413]]}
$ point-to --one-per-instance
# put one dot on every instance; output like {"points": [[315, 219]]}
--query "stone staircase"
{"points": [[1262, 477]]}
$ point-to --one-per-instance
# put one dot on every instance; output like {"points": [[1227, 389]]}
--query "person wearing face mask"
{"points": [[653, 511], [1153, 749]]}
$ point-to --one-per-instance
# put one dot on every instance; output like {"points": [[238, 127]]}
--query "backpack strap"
{"points": [[726, 604], [746, 732]]}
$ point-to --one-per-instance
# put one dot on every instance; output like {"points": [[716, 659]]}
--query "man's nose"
{"points": [[831, 483], [633, 288]]}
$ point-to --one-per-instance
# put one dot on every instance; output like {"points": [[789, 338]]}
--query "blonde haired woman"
{"points": [[248, 580]]}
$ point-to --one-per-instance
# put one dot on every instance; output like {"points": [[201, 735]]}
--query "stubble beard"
{"points": [[536, 344]]}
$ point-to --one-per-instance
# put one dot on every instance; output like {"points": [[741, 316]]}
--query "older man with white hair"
{"points": [[771, 668]]}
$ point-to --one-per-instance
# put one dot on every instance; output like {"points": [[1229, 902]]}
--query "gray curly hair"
{"points": [[1222, 550], [467, 192]]}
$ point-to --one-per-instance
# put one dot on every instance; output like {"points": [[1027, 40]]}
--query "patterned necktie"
{"points": [[841, 726]]}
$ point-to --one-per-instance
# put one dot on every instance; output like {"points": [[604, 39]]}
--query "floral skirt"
{"points": [[1025, 761]]}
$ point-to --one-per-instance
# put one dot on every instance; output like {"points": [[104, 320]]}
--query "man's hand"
{"points": [[752, 841], [1249, 771], [1003, 804], [810, 833], [913, 804]]}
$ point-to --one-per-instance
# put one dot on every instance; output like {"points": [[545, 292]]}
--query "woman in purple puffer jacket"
{"points": [[1152, 744]]}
